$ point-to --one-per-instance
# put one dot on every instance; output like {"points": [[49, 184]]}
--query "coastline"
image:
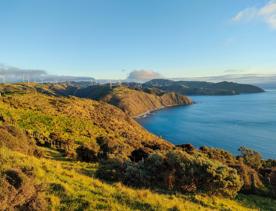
{"points": [[158, 109], [170, 106]]}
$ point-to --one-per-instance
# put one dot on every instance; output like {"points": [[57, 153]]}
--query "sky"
{"points": [[111, 38]]}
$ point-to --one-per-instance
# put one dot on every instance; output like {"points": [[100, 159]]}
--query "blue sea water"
{"points": [[226, 122]]}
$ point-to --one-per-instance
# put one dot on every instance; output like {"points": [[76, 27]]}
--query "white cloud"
{"points": [[266, 14], [15, 74], [247, 14], [10, 70], [143, 75]]}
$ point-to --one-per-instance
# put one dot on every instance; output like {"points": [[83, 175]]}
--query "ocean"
{"points": [[226, 122]]}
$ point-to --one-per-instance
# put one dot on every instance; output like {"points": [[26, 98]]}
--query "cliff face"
{"points": [[172, 99], [136, 103]]}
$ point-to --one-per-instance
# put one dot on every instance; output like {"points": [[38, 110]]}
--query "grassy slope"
{"points": [[83, 120], [136, 102], [84, 192], [131, 101]]}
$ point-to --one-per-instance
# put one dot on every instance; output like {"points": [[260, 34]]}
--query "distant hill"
{"points": [[265, 81], [134, 102], [201, 87]]}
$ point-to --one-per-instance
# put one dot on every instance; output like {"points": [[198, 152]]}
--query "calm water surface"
{"points": [[226, 122]]}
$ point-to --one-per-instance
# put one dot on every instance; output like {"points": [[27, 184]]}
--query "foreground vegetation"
{"points": [[58, 184], [66, 153]]}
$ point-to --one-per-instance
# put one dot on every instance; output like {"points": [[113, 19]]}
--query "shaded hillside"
{"points": [[201, 88]]}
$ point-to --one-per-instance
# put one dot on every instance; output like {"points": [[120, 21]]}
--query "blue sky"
{"points": [[110, 38]]}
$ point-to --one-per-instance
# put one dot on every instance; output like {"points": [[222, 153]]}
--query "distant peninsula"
{"points": [[201, 87]]}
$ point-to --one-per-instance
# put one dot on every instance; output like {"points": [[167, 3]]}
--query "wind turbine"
{"points": [[3, 78]]}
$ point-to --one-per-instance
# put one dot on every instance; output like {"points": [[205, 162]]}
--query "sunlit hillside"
{"points": [[68, 153]]}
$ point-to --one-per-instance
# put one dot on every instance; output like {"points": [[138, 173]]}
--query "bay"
{"points": [[226, 122]]}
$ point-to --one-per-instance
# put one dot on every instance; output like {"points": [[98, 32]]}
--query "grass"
{"points": [[71, 185], [79, 120]]}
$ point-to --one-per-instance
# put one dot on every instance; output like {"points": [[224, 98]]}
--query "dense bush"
{"points": [[189, 148], [219, 155], [273, 181], [111, 148], [205, 175], [112, 170], [88, 152], [140, 154], [57, 141], [270, 163], [251, 181], [177, 171], [251, 157]]}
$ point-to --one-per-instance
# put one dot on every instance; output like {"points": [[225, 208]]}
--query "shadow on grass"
{"points": [[54, 154], [257, 202]]}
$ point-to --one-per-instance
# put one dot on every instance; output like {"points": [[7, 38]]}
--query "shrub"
{"points": [[201, 174], [88, 152], [2, 118], [178, 171], [251, 157], [251, 181], [60, 143], [219, 155], [146, 173], [273, 181], [140, 154], [189, 148], [111, 170], [111, 148], [270, 163]]}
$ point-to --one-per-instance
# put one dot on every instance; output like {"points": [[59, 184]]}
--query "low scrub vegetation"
{"points": [[176, 171], [55, 184]]}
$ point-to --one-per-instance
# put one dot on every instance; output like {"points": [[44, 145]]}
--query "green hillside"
{"points": [[67, 153]]}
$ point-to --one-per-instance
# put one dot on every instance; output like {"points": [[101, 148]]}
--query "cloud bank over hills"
{"points": [[9, 74], [265, 81], [143, 75]]}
